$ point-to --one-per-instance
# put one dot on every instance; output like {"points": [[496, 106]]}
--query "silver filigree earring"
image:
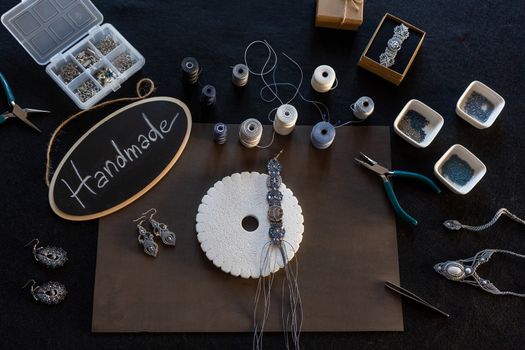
{"points": [[50, 293], [160, 229], [48, 256], [146, 239]]}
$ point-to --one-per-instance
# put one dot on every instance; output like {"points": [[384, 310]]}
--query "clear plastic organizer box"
{"points": [[86, 59]]}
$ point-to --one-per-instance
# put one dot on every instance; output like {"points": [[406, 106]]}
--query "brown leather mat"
{"points": [[349, 246]]}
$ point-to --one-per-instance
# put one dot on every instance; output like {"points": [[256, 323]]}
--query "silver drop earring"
{"points": [[160, 229], [146, 239], [48, 256], [50, 293]]}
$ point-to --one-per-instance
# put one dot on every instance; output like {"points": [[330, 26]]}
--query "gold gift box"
{"points": [[339, 14]]}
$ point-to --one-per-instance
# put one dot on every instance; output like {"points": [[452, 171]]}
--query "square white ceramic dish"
{"points": [[489, 94], [435, 119], [477, 165]]}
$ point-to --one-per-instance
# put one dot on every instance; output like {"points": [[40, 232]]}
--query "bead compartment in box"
{"points": [[122, 58], [454, 160], [418, 124], [105, 41], [87, 55], [86, 89], [68, 69], [475, 110], [105, 75], [105, 61]]}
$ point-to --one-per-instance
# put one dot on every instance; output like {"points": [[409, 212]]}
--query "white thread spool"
{"points": [[285, 119], [363, 107], [323, 78], [250, 132]]}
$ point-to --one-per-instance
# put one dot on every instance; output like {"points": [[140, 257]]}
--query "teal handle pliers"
{"points": [[386, 174], [15, 110]]}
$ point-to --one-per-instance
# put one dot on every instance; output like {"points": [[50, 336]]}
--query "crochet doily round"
{"points": [[228, 244]]}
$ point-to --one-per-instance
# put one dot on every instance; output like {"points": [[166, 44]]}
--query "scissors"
{"points": [[15, 110], [386, 174]]}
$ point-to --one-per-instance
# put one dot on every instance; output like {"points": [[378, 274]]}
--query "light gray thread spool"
{"points": [[285, 119], [323, 79], [220, 133], [250, 133], [323, 135], [240, 75], [363, 107]]}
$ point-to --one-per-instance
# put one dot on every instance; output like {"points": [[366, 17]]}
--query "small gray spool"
{"points": [[240, 75], [363, 107], [220, 133]]}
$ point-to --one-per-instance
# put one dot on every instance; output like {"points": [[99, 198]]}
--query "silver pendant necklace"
{"points": [[464, 270]]}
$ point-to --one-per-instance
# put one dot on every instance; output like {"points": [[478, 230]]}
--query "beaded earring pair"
{"points": [[51, 257], [147, 238]]}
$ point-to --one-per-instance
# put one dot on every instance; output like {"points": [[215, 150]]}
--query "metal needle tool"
{"points": [[15, 110], [412, 296]]}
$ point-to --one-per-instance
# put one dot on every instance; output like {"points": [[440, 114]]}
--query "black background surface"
{"points": [[467, 40]]}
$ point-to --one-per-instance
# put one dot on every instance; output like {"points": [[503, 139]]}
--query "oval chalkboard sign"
{"points": [[120, 158]]}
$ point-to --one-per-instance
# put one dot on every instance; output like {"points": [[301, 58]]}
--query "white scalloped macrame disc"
{"points": [[224, 240]]}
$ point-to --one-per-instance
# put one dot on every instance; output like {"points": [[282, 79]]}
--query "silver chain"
{"points": [[456, 225]]}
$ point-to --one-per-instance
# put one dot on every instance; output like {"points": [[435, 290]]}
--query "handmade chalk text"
{"points": [[88, 184]]}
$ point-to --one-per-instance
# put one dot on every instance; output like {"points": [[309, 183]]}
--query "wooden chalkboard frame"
{"points": [[130, 200]]}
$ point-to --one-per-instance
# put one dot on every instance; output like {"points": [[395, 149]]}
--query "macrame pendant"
{"points": [[465, 271]]}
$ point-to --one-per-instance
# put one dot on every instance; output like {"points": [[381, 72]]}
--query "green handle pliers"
{"points": [[386, 174], [15, 111]]}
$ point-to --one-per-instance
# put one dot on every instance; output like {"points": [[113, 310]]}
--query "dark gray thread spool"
{"points": [[220, 133], [190, 70], [240, 75], [208, 95]]}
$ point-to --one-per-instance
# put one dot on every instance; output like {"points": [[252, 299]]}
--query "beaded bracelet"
{"points": [[274, 197]]}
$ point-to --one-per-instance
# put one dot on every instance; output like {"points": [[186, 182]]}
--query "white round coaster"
{"points": [[228, 206]]}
